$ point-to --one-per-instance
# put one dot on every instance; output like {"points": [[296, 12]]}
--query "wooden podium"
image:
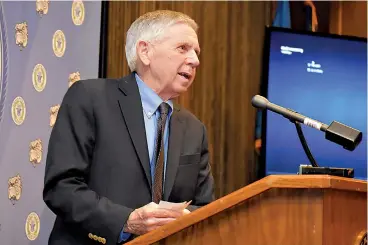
{"points": [[276, 210]]}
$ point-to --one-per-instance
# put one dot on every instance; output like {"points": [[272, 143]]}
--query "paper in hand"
{"points": [[174, 206]]}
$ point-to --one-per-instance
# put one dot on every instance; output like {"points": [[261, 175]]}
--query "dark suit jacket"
{"points": [[97, 167]]}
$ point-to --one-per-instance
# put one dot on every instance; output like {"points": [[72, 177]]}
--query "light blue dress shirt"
{"points": [[150, 103]]}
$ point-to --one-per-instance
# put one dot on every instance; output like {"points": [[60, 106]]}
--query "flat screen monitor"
{"points": [[323, 77]]}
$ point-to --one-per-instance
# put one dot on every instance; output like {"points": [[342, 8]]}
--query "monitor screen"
{"points": [[323, 77]]}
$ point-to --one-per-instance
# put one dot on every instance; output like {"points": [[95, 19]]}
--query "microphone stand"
{"points": [[314, 168], [304, 144]]}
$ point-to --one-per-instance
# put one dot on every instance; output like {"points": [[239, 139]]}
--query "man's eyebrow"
{"points": [[197, 50]]}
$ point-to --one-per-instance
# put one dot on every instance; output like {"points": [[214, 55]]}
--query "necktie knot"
{"points": [[164, 108]]}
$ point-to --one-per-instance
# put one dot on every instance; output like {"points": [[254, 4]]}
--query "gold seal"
{"points": [[14, 188], [21, 34], [42, 7], [39, 77], [18, 110], [78, 12], [74, 77], [32, 226], [53, 114], [35, 152], [59, 43]]}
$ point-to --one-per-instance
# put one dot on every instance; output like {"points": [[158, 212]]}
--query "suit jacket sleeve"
{"points": [[205, 184], [69, 157]]}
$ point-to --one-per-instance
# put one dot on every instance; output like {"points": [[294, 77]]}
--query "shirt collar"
{"points": [[150, 100]]}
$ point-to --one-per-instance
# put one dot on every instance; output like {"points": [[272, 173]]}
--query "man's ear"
{"points": [[143, 52]]}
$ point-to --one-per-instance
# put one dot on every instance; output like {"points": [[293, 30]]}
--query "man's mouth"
{"points": [[185, 75]]}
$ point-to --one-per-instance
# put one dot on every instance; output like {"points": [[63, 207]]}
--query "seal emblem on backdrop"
{"points": [[39, 77], [21, 35], [35, 152], [42, 7], [32, 226], [14, 188], [74, 77], [3, 61], [78, 12], [53, 114], [59, 43], [18, 110]]}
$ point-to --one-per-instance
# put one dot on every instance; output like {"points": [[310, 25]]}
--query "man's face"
{"points": [[173, 59]]}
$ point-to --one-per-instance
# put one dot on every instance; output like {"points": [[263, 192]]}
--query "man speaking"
{"points": [[119, 146]]}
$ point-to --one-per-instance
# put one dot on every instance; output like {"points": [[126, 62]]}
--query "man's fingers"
{"points": [[164, 213], [156, 222], [151, 217]]}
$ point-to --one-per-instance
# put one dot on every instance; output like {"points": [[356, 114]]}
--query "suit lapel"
{"points": [[131, 108], [177, 127]]}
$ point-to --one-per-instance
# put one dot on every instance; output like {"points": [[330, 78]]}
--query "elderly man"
{"points": [[119, 146]]}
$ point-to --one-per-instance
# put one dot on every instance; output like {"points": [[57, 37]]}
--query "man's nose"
{"points": [[192, 59]]}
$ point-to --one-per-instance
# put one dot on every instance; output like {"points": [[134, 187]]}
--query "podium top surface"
{"points": [[249, 191], [313, 181]]}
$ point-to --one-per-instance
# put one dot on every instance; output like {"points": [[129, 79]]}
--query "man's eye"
{"points": [[182, 48]]}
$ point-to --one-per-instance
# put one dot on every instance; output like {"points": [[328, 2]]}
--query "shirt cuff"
{"points": [[124, 236]]}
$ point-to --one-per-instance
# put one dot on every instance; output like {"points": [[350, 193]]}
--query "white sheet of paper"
{"points": [[173, 206]]}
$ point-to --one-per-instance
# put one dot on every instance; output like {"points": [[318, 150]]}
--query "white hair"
{"points": [[150, 27]]}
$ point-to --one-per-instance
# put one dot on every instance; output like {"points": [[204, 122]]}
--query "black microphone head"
{"points": [[343, 135], [259, 102]]}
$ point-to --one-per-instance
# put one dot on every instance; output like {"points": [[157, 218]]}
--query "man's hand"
{"points": [[150, 217]]}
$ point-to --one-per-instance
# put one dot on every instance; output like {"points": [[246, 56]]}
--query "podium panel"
{"points": [[277, 210]]}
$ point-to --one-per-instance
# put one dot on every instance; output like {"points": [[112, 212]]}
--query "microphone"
{"points": [[336, 132]]}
